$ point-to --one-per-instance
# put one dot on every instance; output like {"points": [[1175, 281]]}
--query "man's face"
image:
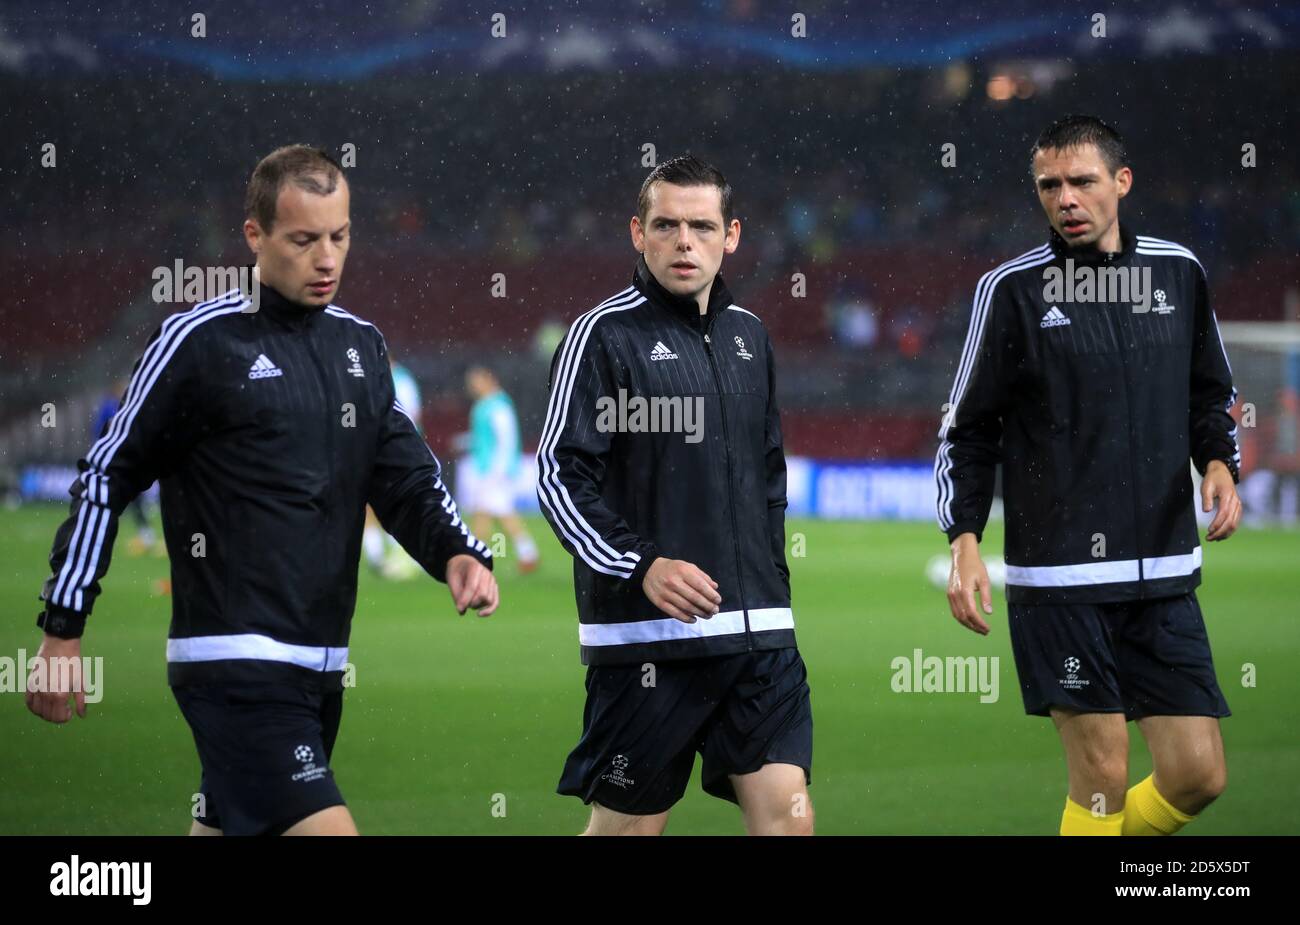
{"points": [[302, 257], [1080, 196], [684, 236], [477, 382]]}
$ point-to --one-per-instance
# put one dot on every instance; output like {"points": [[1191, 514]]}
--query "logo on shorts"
{"points": [[616, 775], [310, 771], [1072, 681]]}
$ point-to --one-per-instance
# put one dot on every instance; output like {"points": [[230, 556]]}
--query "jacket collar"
{"points": [[685, 308], [1127, 247], [283, 311]]}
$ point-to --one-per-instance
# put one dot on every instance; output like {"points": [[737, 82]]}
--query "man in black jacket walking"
{"points": [[1093, 372], [661, 470], [270, 424]]}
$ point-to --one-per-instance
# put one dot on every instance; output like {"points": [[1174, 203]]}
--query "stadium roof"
{"points": [[347, 39]]}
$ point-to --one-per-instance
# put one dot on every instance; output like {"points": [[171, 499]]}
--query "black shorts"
{"points": [[639, 741], [1139, 658], [264, 749]]}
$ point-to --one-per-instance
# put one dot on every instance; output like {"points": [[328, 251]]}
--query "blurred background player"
{"points": [[488, 481], [383, 554]]}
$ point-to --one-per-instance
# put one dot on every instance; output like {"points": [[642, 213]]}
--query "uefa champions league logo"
{"points": [[616, 777], [310, 770], [1072, 681]]}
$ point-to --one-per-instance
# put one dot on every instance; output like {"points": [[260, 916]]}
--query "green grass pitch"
{"points": [[448, 712]]}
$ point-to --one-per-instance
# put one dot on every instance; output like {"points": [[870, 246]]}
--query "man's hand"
{"points": [[681, 590], [49, 685], [472, 585], [968, 575], [1218, 486]]}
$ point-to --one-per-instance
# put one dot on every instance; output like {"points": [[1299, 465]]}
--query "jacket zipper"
{"points": [[329, 442], [1133, 466], [731, 488]]}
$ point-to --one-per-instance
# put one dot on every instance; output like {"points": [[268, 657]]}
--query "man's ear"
{"points": [[733, 237], [637, 233], [1124, 181], [253, 235]]}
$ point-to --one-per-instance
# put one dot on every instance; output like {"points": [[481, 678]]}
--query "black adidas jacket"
{"points": [[269, 432], [1093, 409], [619, 495]]}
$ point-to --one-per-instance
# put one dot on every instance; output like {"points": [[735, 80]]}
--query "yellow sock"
{"points": [[1079, 821], [1148, 813]]}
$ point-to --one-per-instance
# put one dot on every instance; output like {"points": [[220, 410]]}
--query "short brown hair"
{"points": [[686, 170], [1074, 131], [302, 165]]}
